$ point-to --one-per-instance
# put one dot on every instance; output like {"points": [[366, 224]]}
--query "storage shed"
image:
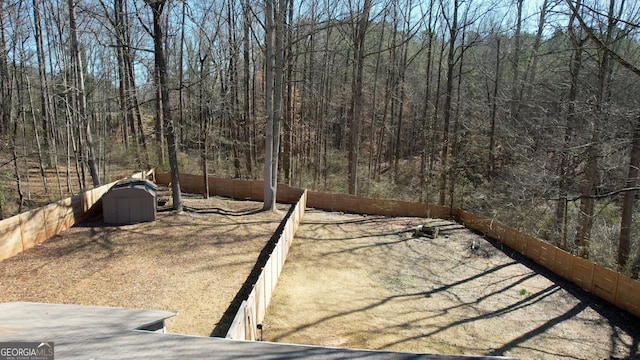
{"points": [[130, 201]]}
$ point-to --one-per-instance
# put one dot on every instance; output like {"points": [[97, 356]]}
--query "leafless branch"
{"points": [[596, 196], [624, 63]]}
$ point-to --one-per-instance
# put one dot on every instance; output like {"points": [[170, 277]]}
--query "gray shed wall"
{"points": [[129, 205]]}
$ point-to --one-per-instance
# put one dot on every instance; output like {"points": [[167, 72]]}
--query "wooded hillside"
{"points": [[523, 111]]}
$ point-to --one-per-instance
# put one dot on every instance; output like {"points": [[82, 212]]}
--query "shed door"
{"points": [[129, 210]]}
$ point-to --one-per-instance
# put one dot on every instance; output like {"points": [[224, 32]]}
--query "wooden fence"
{"points": [[235, 189], [362, 205], [252, 310], [26, 230], [609, 285]]}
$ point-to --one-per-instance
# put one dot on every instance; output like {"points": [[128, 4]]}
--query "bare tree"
{"points": [[81, 95], [274, 93], [453, 28], [494, 112], [163, 88], [564, 168], [246, 85], [628, 200], [515, 100], [6, 91], [428, 104], [357, 101], [634, 161]]}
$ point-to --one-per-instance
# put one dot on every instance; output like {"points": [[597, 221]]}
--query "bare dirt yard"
{"points": [[193, 263], [367, 282]]}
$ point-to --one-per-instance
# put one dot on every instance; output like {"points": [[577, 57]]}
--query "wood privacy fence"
{"points": [[235, 189], [610, 285], [26, 230], [252, 310]]}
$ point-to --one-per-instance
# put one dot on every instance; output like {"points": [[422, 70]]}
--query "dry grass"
{"points": [[350, 280], [366, 282], [193, 263]]}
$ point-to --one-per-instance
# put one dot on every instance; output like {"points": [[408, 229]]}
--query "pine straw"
{"points": [[193, 263]]}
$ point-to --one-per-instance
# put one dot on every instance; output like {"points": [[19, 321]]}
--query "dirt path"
{"points": [[193, 263], [366, 282]]}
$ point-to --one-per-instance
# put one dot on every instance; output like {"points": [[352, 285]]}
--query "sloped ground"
{"points": [[193, 263], [366, 282]]}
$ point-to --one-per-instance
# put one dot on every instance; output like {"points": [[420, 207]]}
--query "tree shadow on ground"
{"points": [[446, 229], [222, 327], [386, 300], [108, 240], [620, 323]]}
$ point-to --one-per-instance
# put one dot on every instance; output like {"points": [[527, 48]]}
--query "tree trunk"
{"points": [[515, 100], [203, 114], [383, 126], [565, 166], [587, 203], [456, 125], [16, 170], [36, 137], [41, 68], [400, 105], [6, 90], [26, 146], [274, 54], [624, 241], [248, 119], [357, 96], [532, 68], [494, 111], [588, 189], [426, 111], [118, 10], [436, 107], [133, 102], [289, 109], [453, 34], [81, 95], [163, 88], [182, 124], [374, 114]]}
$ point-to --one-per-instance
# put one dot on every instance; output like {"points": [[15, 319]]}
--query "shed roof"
{"points": [[136, 183]]}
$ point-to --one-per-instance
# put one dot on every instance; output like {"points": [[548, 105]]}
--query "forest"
{"points": [[523, 111]]}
